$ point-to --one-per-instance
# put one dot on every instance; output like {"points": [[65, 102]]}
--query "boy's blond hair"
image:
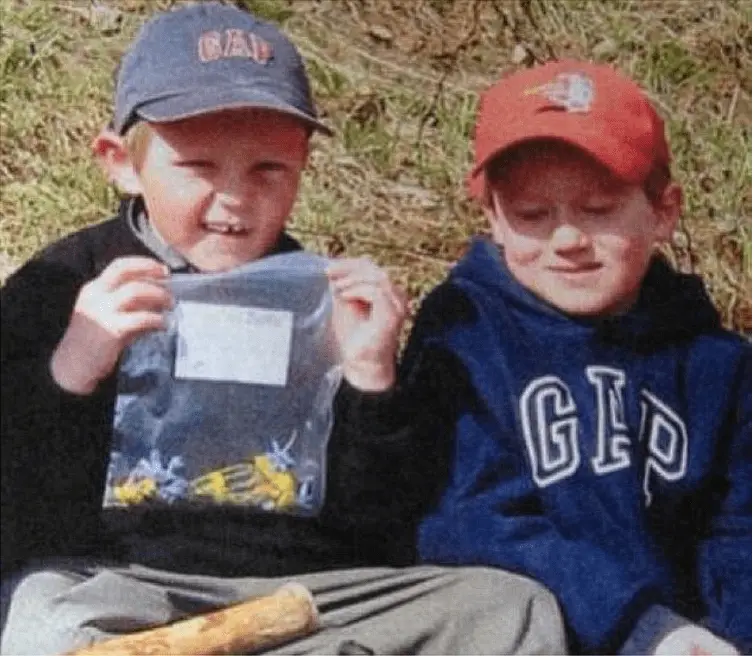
{"points": [[136, 141]]}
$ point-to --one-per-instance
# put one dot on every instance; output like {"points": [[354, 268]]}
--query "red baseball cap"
{"points": [[590, 106]]}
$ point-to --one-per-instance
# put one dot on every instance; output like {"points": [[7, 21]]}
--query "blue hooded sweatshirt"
{"points": [[608, 459]]}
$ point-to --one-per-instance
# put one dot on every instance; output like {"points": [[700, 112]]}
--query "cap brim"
{"points": [[196, 102], [624, 162]]}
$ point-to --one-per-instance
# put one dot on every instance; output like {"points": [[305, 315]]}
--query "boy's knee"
{"points": [[531, 610], [493, 581], [43, 640], [30, 623]]}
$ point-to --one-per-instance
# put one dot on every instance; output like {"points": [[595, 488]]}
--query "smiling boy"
{"points": [[600, 416], [210, 136], [574, 234], [212, 204]]}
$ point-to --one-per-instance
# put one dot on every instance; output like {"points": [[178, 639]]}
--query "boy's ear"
{"points": [[109, 149], [668, 210]]}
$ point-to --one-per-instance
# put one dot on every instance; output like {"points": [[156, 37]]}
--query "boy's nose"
{"points": [[235, 192], [569, 237]]}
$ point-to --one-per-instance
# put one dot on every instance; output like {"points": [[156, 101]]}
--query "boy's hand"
{"points": [[368, 312], [126, 300], [693, 640]]}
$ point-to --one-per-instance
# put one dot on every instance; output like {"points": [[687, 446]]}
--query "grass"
{"points": [[399, 82]]}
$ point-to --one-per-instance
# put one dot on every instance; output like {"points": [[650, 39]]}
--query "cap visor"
{"points": [[624, 162], [196, 102]]}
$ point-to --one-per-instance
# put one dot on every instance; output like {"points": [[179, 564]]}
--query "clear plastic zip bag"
{"points": [[232, 403]]}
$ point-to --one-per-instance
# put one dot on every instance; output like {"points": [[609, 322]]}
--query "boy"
{"points": [[601, 416], [210, 136]]}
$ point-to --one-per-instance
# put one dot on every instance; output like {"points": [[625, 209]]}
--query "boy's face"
{"points": [[220, 187], [572, 233]]}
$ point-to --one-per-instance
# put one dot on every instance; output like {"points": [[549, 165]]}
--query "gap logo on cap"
{"points": [[573, 92], [214, 45]]}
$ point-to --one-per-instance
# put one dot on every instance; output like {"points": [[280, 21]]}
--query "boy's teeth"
{"points": [[224, 229]]}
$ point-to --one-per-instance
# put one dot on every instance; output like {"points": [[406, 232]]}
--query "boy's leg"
{"points": [[431, 610], [59, 606], [383, 611]]}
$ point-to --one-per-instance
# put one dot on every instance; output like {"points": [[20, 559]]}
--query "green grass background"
{"points": [[399, 81]]}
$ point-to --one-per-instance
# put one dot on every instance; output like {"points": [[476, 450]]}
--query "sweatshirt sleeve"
{"points": [[724, 560], [390, 451], [603, 587], [50, 438], [724, 555], [662, 632]]}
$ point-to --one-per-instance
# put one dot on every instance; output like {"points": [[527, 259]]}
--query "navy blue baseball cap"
{"points": [[205, 58]]}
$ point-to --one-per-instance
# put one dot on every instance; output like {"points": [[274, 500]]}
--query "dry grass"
{"points": [[399, 82]]}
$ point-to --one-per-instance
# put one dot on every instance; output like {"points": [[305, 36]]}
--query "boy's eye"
{"points": [[533, 213], [197, 164], [599, 209], [270, 167]]}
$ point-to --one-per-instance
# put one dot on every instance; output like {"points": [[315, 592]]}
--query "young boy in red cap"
{"points": [[210, 136], [600, 417]]}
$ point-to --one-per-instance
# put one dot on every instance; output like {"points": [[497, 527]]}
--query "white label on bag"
{"points": [[234, 344]]}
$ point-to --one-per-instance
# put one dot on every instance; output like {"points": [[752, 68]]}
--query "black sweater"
{"points": [[55, 449]]}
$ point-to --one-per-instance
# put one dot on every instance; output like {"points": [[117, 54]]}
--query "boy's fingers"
{"points": [[368, 289], [341, 267], [382, 304], [142, 295], [130, 268], [134, 324], [343, 284], [362, 278], [355, 267], [354, 272]]}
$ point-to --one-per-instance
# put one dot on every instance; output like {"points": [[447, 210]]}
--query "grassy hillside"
{"points": [[398, 79]]}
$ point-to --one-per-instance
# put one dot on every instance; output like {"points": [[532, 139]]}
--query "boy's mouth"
{"points": [[582, 268], [226, 229]]}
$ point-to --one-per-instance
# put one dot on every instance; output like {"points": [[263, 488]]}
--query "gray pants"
{"points": [[419, 610]]}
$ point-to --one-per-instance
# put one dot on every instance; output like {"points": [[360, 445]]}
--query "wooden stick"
{"points": [[252, 625]]}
